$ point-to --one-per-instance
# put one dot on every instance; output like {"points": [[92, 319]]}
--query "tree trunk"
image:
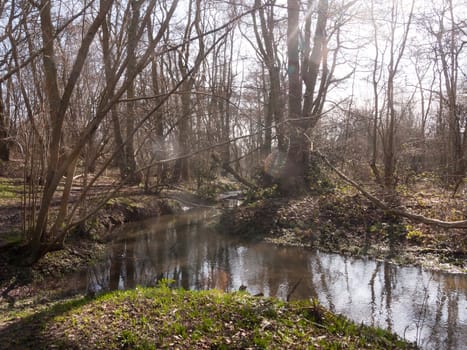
{"points": [[293, 176], [276, 102], [267, 48], [226, 94], [131, 177], [4, 143], [303, 119], [181, 168], [120, 157], [160, 152]]}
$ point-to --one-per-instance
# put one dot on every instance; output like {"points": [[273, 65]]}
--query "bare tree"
{"points": [[181, 171], [130, 174], [386, 118], [450, 34], [304, 111], [58, 104], [4, 127], [267, 49], [62, 160]]}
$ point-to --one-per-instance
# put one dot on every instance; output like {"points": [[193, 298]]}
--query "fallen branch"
{"points": [[187, 202], [226, 166], [398, 210]]}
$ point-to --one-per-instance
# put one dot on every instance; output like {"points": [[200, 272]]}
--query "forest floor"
{"points": [[165, 318], [343, 221]]}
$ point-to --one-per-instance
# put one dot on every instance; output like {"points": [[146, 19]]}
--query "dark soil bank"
{"points": [[348, 224], [83, 247]]}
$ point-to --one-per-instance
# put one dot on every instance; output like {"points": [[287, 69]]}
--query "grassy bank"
{"points": [[164, 318]]}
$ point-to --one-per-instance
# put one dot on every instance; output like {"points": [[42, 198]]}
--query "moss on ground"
{"points": [[165, 318], [9, 189]]}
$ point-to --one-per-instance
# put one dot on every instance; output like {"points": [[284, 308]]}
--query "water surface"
{"points": [[427, 307]]}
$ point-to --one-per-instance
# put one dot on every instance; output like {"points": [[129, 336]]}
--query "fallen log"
{"points": [[226, 166], [399, 211]]}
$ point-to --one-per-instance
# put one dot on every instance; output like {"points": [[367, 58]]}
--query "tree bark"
{"points": [[302, 119], [293, 174], [182, 168], [130, 175], [4, 143], [267, 48], [120, 157]]}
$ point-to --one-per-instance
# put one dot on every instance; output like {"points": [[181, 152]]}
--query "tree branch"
{"points": [[396, 211]]}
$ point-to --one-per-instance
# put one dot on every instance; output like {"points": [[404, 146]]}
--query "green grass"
{"points": [[12, 237], [155, 318], [8, 190], [126, 202]]}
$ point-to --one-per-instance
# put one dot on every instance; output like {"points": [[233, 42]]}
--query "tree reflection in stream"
{"points": [[426, 307]]}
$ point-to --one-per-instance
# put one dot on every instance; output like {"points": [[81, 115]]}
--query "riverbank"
{"points": [[342, 221], [155, 318], [296, 218], [43, 281]]}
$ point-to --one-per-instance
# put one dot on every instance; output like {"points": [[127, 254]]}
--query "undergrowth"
{"points": [[162, 317]]}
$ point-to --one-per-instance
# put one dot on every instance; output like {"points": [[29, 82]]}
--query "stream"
{"points": [[422, 306]]}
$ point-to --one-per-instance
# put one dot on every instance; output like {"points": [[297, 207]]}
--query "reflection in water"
{"points": [[426, 307]]}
